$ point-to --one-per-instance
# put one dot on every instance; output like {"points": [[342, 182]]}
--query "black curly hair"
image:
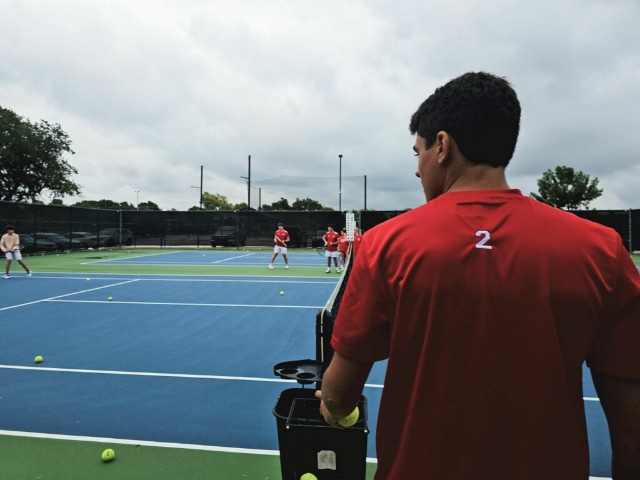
{"points": [[479, 110]]}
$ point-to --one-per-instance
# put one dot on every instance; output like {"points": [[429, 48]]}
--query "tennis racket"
{"points": [[320, 250], [16, 248]]}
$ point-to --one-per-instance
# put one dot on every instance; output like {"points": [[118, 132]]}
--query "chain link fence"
{"points": [[44, 228]]}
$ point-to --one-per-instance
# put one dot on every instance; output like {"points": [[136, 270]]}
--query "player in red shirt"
{"points": [[486, 314], [280, 239], [331, 248], [343, 248], [357, 239]]}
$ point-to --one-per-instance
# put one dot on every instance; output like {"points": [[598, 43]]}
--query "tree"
{"points": [[148, 206], [567, 188], [31, 159], [243, 206], [282, 204], [215, 201], [104, 205], [308, 204]]}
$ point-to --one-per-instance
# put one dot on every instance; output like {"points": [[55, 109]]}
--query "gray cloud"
{"points": [[150, 91]]}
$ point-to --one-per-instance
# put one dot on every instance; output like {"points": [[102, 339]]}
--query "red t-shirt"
{"points": [[331, 238], [281, 237], [487, 304], [357, 238], [343, 244]]}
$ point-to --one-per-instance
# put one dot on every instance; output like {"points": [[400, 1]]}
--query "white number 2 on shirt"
{"points": [[486, 236]]}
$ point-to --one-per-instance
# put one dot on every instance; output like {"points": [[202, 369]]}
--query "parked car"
{"points": [[110, 237], [229, 236], [87, 239], [62, 243], [29, 244]]}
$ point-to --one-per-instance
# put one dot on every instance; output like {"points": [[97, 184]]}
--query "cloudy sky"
{"points": [[150, 91]]}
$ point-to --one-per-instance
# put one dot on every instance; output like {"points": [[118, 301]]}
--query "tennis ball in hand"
{"points": [[108, 455], [350, 419], [38, 359], [308, 476]]}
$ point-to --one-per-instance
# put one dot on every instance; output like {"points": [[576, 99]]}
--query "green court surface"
{"points": [[50, 459], [85, 262]]}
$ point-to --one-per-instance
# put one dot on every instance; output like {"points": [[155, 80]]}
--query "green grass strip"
{"points": [[85, 262], [53, 459]]}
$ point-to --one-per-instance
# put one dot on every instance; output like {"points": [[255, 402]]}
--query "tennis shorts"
{"points": [[279, 249], [13, 255], [334, 254]]}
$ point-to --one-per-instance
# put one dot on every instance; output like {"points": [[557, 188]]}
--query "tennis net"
{"points": [[326, 317]]}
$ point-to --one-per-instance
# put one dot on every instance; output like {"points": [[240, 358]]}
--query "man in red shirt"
{"points": [[330, 240], [280, 239], [357, 238], [486, 323], [343, 248]]}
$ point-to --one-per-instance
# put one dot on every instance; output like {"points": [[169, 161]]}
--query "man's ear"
{"points": [[443, 147]]}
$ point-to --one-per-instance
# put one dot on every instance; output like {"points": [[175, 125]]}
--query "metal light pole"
{"points": [[365, 192], [249, 186], [201, 175], [248, 189], [340, 185], [137, 199]]}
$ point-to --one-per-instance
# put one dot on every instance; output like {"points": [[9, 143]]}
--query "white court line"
{"points": [[147, 443], [181, 304], [53, 299], [233, 258], [158, 374], [146, 374], [182, 375], [135, 256], [177, 278]]}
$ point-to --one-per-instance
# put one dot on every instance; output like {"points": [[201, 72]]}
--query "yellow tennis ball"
{"points": [[350, 419], [38, 359], [281, 292], [108, 455], [308, 476], [88, 279], [109, 298]]}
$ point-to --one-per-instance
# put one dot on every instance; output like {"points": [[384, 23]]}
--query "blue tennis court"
{"points": [[246, 258], [172, 358]]}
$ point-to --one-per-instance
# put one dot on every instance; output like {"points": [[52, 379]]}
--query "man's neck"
{"points": [[479, 177]]}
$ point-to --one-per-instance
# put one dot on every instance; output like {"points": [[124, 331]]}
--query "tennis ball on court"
{"points": [[38, 359], [308, 476], [350, 419], [109, 298], [281, 292], [108, 455]]}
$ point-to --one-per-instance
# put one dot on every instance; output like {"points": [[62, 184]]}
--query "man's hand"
{"points": [[326, 414]]}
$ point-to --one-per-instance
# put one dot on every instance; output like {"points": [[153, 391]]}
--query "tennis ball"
{"points": [[350, 419], [308, 476], [88, 279], [281, 292], [109, 298], [38, 359], [108, 455]]}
